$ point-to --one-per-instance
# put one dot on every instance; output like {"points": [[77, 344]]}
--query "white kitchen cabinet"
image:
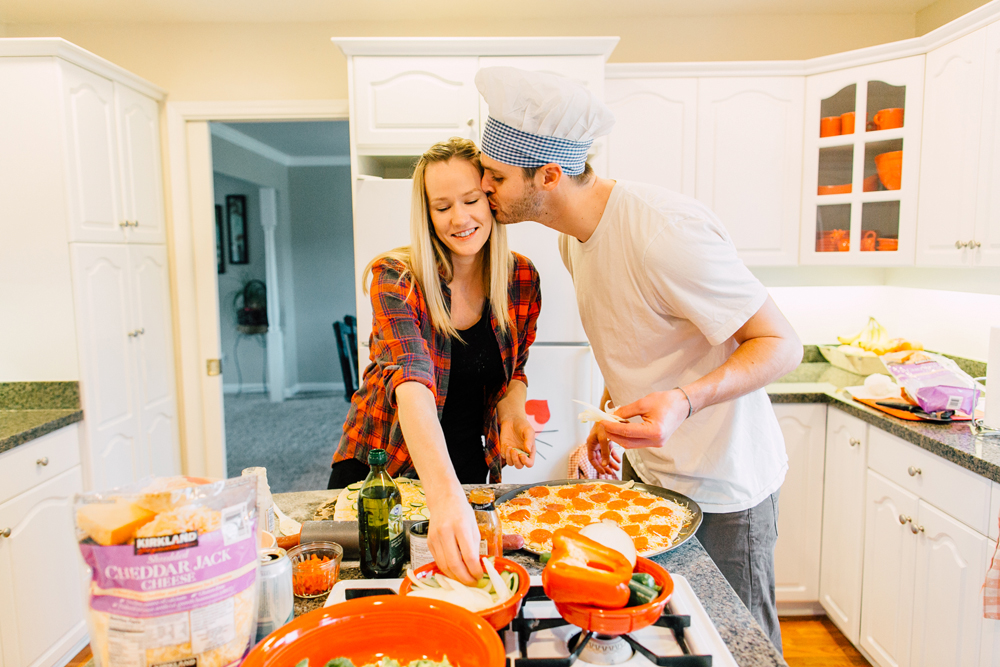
{"points": [[986, 250], [142, 182], [41, 618], [947, 604], [949, 184], [126, 357], [871, 220], [842, 551], [890, 554], [403, 104], [749, 162], [655, 131], [994, 514], [800, 514]]}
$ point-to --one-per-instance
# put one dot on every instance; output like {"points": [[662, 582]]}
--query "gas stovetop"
{"points": [[539, 637]]}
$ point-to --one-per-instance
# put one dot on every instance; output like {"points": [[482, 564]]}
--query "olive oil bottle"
{"points": [[380, 521]]}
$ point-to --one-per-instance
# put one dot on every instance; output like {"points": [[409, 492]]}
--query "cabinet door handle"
{"points": [[915, 530], [5, 532], [123, 224], [974, 244], [135, 223], [903, 519], [139, 332], [914, 471], [854, 442], [133, 334], [44, 461], [959, 245]]}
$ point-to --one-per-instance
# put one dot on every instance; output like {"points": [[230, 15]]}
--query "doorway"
{"points": [[285, 273]]}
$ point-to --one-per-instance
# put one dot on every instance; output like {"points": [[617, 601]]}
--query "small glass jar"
{"points": [[315, 568], [490, 530]]}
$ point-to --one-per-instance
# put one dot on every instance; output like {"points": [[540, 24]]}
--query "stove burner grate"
{"points": [[525, 627]]}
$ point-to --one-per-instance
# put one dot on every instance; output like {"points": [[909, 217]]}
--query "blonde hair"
{"points": [[429, 260]]}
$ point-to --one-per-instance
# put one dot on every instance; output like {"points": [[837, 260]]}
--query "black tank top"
{"points": [[476, 372]]}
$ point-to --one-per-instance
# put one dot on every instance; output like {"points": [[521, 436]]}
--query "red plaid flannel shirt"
{"points": [[405, 347]]}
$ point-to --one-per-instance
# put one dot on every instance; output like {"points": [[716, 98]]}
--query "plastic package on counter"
{"points": [[937, 384], [174, 571]]}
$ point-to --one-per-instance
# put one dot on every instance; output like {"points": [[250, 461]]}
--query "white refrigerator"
{"points": [[561, 366]]}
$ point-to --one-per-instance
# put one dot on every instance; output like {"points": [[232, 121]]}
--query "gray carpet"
{"points": [[294, 440]]}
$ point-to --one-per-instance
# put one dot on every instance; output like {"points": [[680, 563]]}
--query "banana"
{"points": [[844, 340]]}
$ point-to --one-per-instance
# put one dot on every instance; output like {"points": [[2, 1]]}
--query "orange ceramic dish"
{"points": [[835, 189], [498, 616], [628, 619], [890, 169], [401, 628]]}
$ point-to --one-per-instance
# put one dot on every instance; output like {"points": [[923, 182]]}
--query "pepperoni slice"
{"points": [[629, 494], [662, 511], [519, 501], [581, 519], [639, 518], [554, 507], [586, 488], [661, 529], [610, 488], [631, 529], [641, 543], [614, 516], [617, 505], [519, 515], [600, 497], [538, 491], [548, 517], [644, 502], [568, 492], [582, 505], [540, 535]]}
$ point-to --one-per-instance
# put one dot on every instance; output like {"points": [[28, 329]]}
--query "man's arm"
{"points": [[768, 349]]}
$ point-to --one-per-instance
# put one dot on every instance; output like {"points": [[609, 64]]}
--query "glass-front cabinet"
{"points": [[862, 156]]}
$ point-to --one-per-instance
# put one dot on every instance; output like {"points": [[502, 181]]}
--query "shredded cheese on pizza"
{"points": [[651, 521]]}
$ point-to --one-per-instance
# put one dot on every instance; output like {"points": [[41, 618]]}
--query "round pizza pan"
{"points": [[687, 530]]}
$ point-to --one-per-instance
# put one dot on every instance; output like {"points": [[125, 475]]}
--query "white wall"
{"points": [[239, 163], [323, 265]]}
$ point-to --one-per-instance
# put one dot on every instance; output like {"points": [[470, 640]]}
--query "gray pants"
{"points": [[742, 546]]}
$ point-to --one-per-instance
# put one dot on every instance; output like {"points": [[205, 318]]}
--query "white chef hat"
{"points": [[538, 118]]}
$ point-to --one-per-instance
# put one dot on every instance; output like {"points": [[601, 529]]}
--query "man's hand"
{"points": [[605, 460], [454, 538], [662, 412], [517, 442]]}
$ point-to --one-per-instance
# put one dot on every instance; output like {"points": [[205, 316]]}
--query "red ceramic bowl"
{"points": [[365, 629], [628, 619], [502, 614]]}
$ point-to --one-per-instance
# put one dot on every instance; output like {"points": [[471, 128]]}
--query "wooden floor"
{"points": [[813, 641], [809, 641]]}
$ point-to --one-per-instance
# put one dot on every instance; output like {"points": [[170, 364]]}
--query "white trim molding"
{"points": [[476, 46], [263, 110], [234, 136]]}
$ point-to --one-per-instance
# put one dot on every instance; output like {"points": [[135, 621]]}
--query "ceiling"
{"points": [[291, 11], [300, 139]]}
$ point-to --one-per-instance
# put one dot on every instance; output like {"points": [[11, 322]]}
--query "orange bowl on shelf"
{"points": [[890, 169], [889, 245], [627, 619], [835, 189], [402, 628], [870, 183], [498, 616]]}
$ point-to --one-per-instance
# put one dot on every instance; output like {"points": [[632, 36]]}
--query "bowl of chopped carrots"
{"points": [[315, 568]]}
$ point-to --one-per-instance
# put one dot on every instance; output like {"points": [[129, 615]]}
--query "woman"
{"points": [[453, 316]]}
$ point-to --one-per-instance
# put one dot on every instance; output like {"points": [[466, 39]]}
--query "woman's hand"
{"points": [[517, 442], [454, 537], [605, 459]]}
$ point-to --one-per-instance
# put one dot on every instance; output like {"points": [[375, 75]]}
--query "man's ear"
{"points": [[551, 175]]}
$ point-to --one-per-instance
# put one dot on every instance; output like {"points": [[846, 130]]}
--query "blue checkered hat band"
{"points": [[522, 149]]}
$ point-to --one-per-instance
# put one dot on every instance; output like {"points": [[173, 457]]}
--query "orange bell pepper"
{"points": [[583, 571]]}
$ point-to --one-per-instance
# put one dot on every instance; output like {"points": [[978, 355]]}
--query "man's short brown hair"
{"points": [[579, 179]]}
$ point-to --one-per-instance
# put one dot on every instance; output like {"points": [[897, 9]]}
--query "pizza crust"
{"points": [[412, 496]]}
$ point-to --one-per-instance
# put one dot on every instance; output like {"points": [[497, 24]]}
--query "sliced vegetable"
{"points": [[544, 557], [640, 594], [609, 534], [646, 579], [595, 414], [499, 585], [490, 590], [585, 571]]}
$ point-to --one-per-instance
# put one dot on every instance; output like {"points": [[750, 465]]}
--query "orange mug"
{"points": [[888, 119], [847, 123], [829, 126], [868, 240]]}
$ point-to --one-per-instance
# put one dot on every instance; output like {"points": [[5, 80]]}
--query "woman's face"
{"points": [[459, 210]]}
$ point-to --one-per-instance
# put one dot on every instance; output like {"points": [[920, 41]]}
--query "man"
{"points": [[685, 336]]}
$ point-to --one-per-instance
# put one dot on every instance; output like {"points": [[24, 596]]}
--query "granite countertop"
{"points": [[816, 381], [744, 638], [29, 410]]}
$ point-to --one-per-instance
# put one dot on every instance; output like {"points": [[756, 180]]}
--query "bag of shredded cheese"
{"points": [[173, 572]]}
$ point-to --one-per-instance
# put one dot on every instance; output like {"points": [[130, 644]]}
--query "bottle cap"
{"points": [[377, 457]]}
